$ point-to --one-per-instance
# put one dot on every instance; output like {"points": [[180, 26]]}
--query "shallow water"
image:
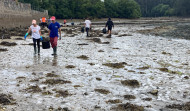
{"points": [[137, 51]]}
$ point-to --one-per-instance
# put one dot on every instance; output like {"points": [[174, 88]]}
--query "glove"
{"points": [[25, 35], [41, 38]]}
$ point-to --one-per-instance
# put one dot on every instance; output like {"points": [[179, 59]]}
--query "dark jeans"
{"points": [[87, 30], [38, 44]]}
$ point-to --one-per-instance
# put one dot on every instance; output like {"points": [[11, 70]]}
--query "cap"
{"points": [[53, 18]]}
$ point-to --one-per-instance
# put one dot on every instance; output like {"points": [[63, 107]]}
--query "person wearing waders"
{"points": [[87, 25], [109, 24], [54, 28], [36, 35]]}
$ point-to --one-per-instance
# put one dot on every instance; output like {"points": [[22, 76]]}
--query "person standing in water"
{"points": [[54, 28], [36, 35], [109, 24], [87, 25]]}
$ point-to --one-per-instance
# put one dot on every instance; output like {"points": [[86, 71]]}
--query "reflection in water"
{"points": [[54, 61], [37, 59]]}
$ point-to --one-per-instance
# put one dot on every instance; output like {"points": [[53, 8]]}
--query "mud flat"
{"points": [[131, 71]]}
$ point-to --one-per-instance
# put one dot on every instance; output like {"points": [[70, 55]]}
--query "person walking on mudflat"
{"points": [[54, 28], [87, 25], [109, 24], [36, 35]]}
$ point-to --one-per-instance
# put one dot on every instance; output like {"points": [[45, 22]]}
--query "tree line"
{"points": [[80, 9]]}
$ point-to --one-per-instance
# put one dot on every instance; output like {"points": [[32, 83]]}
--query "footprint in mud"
{"points": [[128, 107], [7, 99], [132, 83], [102, 91], [83, 57]]}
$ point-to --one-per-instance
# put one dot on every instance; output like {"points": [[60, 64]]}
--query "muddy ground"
{"points": [[145, 66]]}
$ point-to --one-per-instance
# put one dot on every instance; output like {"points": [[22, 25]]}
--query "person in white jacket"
{"points": [[87, 25]]}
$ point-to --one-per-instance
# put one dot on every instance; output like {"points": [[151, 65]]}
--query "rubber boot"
{"points": [[39, 51], [34, 50], [55, 52]]}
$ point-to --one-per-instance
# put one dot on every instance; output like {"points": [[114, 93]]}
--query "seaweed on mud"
{"points": [[47, 93], [129, 97], [76, 86], [83, 57], [147, 99], [3, 50], [185, 106], [51, 75], [144, 68], [105, 42], [34, 80], [102, 91], [70, 66], [21, 77], [115, 48], [33, 89], [98, 79], [132, 83], [6, 99], [164, 69], [142, 73], [31, 44], [169, 71], [186, 77], [4, 43], [83, 44], [125, 35], [116, 65], [61, 93], [115, 101], [97, 40], [165, 53], [55, 81], [19, 39], [100, 51], [131, 71], [129, 107], [92, 64]]}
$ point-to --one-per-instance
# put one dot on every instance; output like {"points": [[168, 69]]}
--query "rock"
{"points": [[154, 92]]}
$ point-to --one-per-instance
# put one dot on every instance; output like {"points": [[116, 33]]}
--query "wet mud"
{"points": [[139, 71]]}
